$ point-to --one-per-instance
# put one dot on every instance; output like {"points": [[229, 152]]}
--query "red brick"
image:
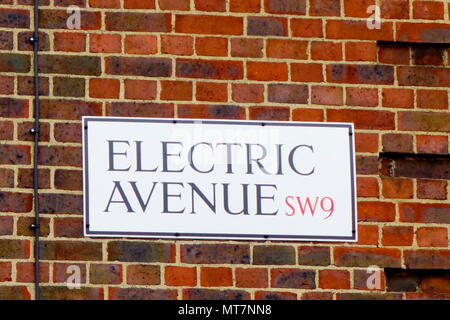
{"points": [[397, 188], [367, 235], [436, 284], [25, 178], [424, 212], [211, 91], [364, 119], [357, 8], [141, 109], [394, 9], [138, 21], [247, 92], [432, 237], [427, 259], [141, 44], [139, 4], [211, 46], [290, 49], [373, 211], [397, 236], [210, 69], [15, 293], [25, 85], [428, 55], [216, 277], [267, 71], [430, 10], [23, 226], [68, 227], [301, 114], [60, 203], [363, 97], [393, 53], [69, 41], [395, 142], [113, 4], [140, 89], [325, 7], [25, 272], [360, 51], [424, 121], [180, 276], [422, 32], [67, 132], [432, 99], [14, 108], [6, 130], [68, 179], [431, 189], [306, 28], [243, 47], [62, 271], [176, 90], [285, 6], [105, 43], [174, 4], [105, 273], [306, 72], [367, 187], [269, 113], [327, 95], [10, 18], [5, 271], [104, 88], [6, 40], [178, 45], [334, 279], [208, 24], [211, 111], [142, 274], [364, 257], [326, 50], [245, 6], [6, 178], [251, 277], [357, 30], [366, 164], [210, 5]]}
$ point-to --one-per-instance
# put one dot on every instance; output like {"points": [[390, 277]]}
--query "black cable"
{"points": [[35, 132]]}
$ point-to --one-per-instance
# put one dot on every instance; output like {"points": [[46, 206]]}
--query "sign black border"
{"points": [[215, 236]]}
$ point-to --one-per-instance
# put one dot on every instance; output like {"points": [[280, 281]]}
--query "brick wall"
{"points": [[297, 60]]}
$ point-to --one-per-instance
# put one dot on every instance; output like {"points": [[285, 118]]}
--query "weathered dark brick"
{"points": [[422, 168], [274, 295], [60, 203], [68, 179], [140, 251], [23, 226], [13, 108], [68, 64], [285, 6], [70, 250], [25, 178], [427, 259], [68, 109], [360, 73], [266, 26], [6, 225], [293, 278], [24, 44], [215, 253], [212, 294], [65, 293], [68, 227], [139, 66], [364, 257], [105, 274], [25, 86], [59, 156], [314, 256], [6, 40], [210, 69], [143, 109], [15, 62], [288, 93], [14, 293], [369, 296], [366, 164], [210, 111], [10, 18], [57, 19], [424, 212], [141, 294], [14, 249], [14, 154], [276, 255], [423, 76], [424, 121], [6, 178], [68, 87], [138, 21]]}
